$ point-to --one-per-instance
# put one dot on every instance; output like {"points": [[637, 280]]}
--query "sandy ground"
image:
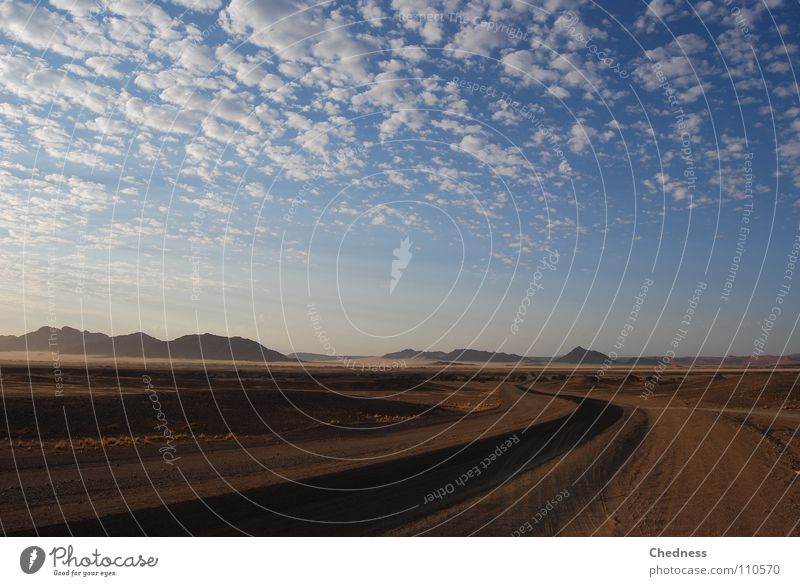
{"points": [[353, 451], [655, 473]]}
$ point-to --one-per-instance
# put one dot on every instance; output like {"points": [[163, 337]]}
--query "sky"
{"points": [[361, 177]]}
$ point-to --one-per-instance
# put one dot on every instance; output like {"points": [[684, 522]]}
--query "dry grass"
{"points": [[472, 406], [379, 418], [92, 443]]}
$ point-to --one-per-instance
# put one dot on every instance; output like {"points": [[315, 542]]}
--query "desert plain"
{"points": [[377, 447]]}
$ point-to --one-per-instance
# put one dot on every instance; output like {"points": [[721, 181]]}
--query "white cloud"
{"points": [[579, 137], [163, 118], [142, 10], [656, 10], [280, 25], [370, 10], [524, 64], [682, 65], [396, 121], [105, 125], [78, 7], [477, 39], [32, 80], [104, 66], [42, 29], [421, 16], [198, 5]]}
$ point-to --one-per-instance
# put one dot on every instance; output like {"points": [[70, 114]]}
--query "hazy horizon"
{"points": [[289, 351]]}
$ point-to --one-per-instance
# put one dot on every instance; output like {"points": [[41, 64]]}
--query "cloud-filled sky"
{"points": [[360, 177]]}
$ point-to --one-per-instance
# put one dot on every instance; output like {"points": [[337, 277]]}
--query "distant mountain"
{"points": [[459, 355], [68, 340], [134, 344], [580, 355], [312, 357], [409, 354], [212, 347], [538, 359], [468, 355], [642, 361]]}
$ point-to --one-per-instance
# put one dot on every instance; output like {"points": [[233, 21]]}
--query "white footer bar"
{"points": [[399, 561]]}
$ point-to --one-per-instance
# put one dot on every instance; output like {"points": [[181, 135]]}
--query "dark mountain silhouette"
{"points": [[580, 355], [212, 347], [134, 344], [469, 355], [65, 340], [459, 355], [68, 340], [409, 354], [313, 357]]}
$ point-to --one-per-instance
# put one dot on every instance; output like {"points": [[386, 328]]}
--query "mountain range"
{"points": [[581, 355], [459, 355], [314, 357], [213, 347], [575, 356], [68, 340]]}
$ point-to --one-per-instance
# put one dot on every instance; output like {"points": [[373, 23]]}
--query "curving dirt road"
{"points": [[538, 464], [658, 470]]}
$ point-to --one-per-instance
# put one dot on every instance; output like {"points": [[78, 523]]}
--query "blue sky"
{"points": [[235, 167]]}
